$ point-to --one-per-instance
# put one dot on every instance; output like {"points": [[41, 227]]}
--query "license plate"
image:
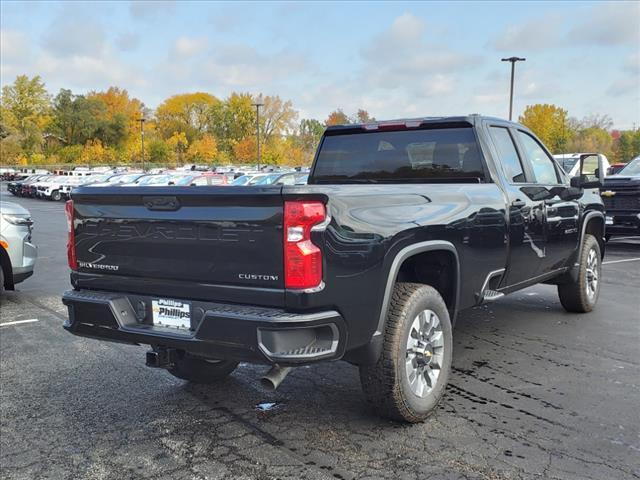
{"points": [[171, 313], [609, 221]]}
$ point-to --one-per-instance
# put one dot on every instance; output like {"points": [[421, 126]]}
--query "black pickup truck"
{"points": [[402, 225], [621, 195]]}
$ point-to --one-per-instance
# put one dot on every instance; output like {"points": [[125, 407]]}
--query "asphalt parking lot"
{"points": [[535, 393]]}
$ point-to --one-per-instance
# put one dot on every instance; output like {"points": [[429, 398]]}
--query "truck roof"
{"points": [[414, 122]]}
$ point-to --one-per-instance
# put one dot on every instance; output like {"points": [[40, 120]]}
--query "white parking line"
{"points": [[621, 261], [6, 324]]}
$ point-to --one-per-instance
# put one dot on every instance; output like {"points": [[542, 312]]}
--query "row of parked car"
{"points": [[58, 187]]}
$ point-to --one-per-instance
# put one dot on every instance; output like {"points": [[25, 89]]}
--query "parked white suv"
{"points": [[17, 254]]}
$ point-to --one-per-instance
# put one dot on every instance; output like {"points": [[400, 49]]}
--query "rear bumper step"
{"points": [[222, 331]]}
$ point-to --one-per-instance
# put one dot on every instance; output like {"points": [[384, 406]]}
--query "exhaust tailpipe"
{"points": [[274, 377]]}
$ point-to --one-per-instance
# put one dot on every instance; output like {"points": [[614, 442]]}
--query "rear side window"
{"points": [[508, 154], [394, 156]]}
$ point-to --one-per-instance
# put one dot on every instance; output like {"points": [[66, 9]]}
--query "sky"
{"points": [[392, 59]]}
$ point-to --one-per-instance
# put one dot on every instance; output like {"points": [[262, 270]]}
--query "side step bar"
{"points": [[491, 296], [487, 295]]}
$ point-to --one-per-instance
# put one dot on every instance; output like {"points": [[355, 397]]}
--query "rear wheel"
{"points": [[201, 370], [412, 372], [581, 296]]}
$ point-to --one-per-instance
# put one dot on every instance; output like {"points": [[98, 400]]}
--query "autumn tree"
{"points": [[178, 143], [337, 117], [549, 123], [188, 112], [592, 139], [277, 117], [245, 150], [25, 111], [362, 116], [204, 149], [120, 109]]}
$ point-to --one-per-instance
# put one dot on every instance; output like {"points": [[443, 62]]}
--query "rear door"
{"points": [[190, 237]]}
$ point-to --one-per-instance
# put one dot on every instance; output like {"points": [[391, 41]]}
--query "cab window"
{"points": [[542, 166]]}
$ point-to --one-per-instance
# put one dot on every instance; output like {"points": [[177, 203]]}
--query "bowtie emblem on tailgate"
{"points": [[167, 204]]}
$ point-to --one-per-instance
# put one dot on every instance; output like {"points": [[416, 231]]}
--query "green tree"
{"points": [[76, 118], [309, 133], [550, 124], [592, 139], [159, 151], [233, 120], [627, 146]]}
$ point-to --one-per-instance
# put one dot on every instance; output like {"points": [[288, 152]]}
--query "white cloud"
{"points": [[127, 41], [187, 46], [150, 9], [610, 23], [536, 34], [627, 85], [401, 58], [68, 36], [632, 64], [244, 66], [14, 46]]}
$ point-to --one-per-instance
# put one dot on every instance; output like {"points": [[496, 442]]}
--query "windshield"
{"points": [[436, 154], [567, 164], [267, 179], [243, 180], [632, 168], [132, 177], [184, 180], [154, 179], [98, 178]]}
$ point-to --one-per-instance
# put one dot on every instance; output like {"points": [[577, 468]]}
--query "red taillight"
{"points": [[71, 239], [302, 259]]}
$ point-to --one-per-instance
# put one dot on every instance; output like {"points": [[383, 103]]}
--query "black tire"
{"points": [[576, 296], [386, 384], [201, 370], [56, 195]]}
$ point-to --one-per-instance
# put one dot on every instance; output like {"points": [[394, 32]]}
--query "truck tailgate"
{"points": [[212, 235]]}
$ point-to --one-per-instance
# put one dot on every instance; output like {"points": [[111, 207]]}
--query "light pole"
{"points": [[142, 120], [258, 104], [513, 61]]}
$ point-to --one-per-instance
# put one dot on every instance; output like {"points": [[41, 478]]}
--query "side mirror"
{"points": [[591, 172]]}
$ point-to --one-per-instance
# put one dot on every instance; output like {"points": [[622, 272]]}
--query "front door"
{"points": [[561, 216], [525, 211]]}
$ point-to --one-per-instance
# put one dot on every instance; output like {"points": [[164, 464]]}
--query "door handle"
{"points": [[518, 203]]}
